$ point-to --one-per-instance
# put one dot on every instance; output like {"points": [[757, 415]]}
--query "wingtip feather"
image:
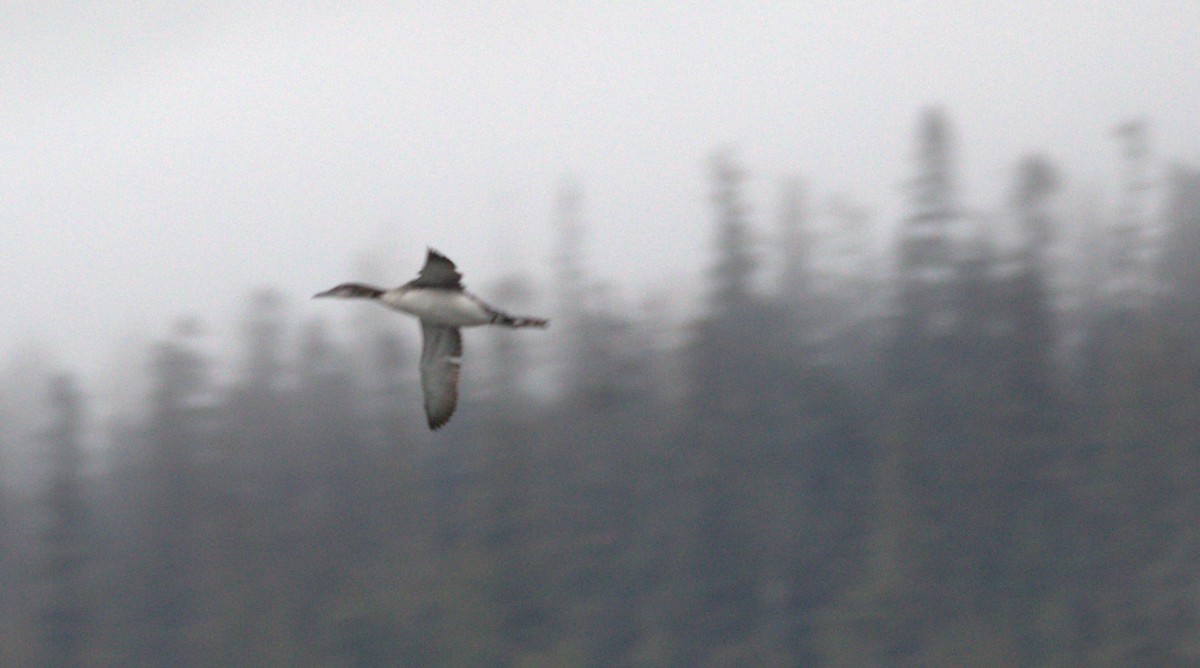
{"points": [[439, 421]]}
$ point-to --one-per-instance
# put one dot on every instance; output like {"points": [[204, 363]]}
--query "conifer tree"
{"points": [[726, 406], [1179, 273], [1031, 310], [928, 253], [733, 272], [64, 619], [173, 498], [795, 283]]}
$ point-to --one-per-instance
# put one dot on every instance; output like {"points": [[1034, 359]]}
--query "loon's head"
{"points": [[351, 291]]}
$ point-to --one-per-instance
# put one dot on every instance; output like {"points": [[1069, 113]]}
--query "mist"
{"points": [[166, 161], [872, 335]]}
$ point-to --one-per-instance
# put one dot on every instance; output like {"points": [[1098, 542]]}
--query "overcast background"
{"points": [[162, 159]]}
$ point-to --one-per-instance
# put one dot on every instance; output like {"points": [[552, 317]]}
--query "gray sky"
{"points": [[160, 159]]}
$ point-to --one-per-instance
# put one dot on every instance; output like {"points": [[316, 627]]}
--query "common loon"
{"points": [[437, 297]]}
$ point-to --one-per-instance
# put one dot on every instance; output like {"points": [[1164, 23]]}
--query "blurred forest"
{"points": [[978, 444]]}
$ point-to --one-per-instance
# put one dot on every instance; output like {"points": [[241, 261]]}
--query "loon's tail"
{"points": [[506, 320]]}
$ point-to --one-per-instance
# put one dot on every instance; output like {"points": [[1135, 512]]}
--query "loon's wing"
{"points": [[441, 359], [438, 272]]}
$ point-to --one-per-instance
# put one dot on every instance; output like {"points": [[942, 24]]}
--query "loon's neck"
{"points": [[361, 291], [353, 291]]}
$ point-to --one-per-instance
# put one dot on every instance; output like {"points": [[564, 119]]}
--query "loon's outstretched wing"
{"points": [[438, 272], [441, 359]]}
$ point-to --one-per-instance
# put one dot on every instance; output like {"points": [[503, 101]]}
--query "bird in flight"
{"points": [[437, 297]]}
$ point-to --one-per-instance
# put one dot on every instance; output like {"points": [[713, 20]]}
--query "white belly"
{"points": [[442, 307]]}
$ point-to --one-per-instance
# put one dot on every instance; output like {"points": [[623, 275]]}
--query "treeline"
{"points": [[985, 455]]}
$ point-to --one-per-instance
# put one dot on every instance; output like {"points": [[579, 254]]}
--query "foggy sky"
{"points": [[162, 160]]}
